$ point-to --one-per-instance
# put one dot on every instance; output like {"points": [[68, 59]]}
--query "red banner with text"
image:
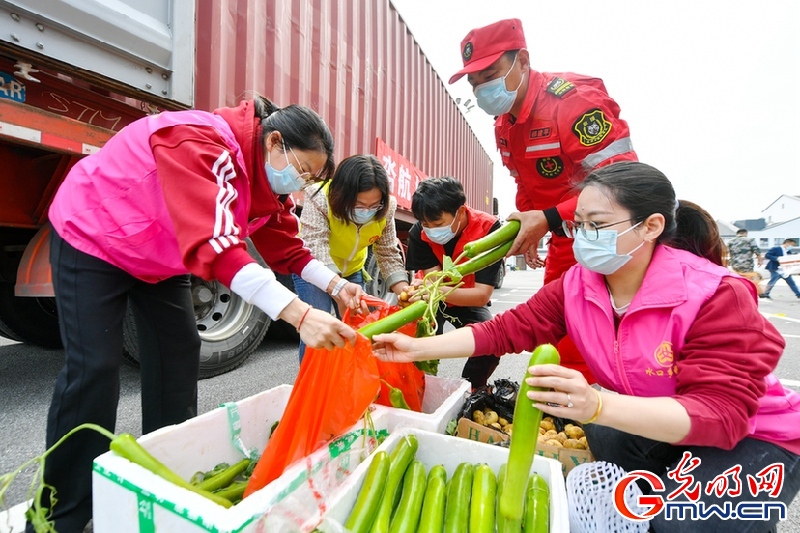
{"points": [[403, 176]]}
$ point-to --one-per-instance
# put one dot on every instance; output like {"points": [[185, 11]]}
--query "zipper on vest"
{"points": [[355, 249]]}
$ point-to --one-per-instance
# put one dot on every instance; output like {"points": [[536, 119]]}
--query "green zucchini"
{"points": [[523, 445], [456, 513], [507, 232], [482, 504], [537, 505], [406, 518], [432, 518], [399, 460], [369, 497]]}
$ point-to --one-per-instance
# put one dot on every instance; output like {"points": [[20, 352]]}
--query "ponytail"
{"points": [[697, 232]]}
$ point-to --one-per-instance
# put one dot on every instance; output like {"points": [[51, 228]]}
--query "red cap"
{"points": [[483, 46]]}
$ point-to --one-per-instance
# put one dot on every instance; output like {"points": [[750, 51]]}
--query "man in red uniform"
{"points": [[552, 129]]}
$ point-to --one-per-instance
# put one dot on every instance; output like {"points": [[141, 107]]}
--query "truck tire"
{"points": [[230, 328], [30, 320], [377, 285]]}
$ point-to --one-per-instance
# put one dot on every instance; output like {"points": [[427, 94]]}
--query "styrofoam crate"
{"points": [[448, 451], [441, 403], [129, 499]]}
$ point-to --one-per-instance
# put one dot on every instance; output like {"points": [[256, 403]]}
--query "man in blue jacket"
{"points": [[776, 271]]}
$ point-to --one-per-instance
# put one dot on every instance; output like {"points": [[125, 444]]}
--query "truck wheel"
{"points": [[230, 328], [31, 320], [377, 285]]}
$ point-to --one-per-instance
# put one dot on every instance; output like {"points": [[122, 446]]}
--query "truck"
{"points": [[75, 72]]}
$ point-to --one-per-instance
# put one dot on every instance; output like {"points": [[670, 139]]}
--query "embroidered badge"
{"points": [[539, 133], [664, 355], [559, 87], [592, 127], [550, 167], [467, 53], [373, 240]]}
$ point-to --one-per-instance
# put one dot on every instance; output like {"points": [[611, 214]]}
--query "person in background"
{"points": [[743, 253], [445, 224], [662, 325], [776, 271], [341, 219], [170, 195], [552, 129]]}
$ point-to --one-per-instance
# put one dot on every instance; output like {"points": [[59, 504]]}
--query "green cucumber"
{"points": [[369, 497], [406, 518], [482, 504], [537, 505], [456, 513], [507, 232], [432, 519]]}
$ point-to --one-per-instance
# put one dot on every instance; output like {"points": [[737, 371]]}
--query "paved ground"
{"points": [[27, 375]]}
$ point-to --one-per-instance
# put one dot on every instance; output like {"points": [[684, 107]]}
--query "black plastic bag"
{"points": [[499, 397]]}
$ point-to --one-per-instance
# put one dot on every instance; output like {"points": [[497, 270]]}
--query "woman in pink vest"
{"points": [[675, 340], [170, 195]]}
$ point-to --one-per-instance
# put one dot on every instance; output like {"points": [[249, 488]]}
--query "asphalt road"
{"points": [[27, 375]]}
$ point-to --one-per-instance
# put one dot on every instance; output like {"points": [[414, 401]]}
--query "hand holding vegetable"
{"points": [[394, 347], [533, 226], [569, 388], [350, 297]]}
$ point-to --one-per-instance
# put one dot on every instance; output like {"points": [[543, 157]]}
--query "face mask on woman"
{"points": [[284, 181], [601, 255], [441, 235], [494, 98], [363, 215]]}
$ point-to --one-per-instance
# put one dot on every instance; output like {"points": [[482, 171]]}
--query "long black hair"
{"points": [[355, 174], [643, 190], [300, 127]]}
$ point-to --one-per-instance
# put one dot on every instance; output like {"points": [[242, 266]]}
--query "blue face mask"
{"points": [[494, 98], [362, 215], [441, 235], [284, 181], [601, 255]]}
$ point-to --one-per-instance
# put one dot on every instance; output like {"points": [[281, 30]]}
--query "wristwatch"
{"points": [[338, 287]]}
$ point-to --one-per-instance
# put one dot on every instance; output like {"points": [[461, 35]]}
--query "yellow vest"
{"points": [[348, 243]]}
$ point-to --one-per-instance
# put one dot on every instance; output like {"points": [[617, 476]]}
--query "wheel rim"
{"points": [[219, 313]]}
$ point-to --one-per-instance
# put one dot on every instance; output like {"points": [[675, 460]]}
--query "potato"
{"points": [[496, 426], [574, 432], [479, 417], [561, 437], [541, 430], [491, 418], [547, 424], [554, 442], [541, 439], [583, 440], [502, 421], [508, 428], [551, 433], [574, 444]]}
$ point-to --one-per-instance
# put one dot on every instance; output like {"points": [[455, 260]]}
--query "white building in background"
{"points": [[781, 220]]}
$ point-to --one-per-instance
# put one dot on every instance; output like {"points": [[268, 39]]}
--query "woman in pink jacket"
{"points": [[675, 340], [170, 195]]}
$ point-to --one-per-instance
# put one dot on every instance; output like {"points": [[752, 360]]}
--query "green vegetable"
{"points": [[225, 477], [456, 514], [396, 320], [126, 446], [537, 505], [501, 476], [482, 504], [507, 232], [399, 460], [484, 260], [408, 511], [429, 367], [523, 445], [396, 397], [432, 518], [233, 492], [369, 497]]}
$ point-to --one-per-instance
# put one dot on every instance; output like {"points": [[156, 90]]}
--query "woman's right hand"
{"points": [[393, 347], [322, 330]]}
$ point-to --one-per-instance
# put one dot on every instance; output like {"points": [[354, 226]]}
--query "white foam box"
{"points": [[448, 451], [129, 499], [441, 403]]}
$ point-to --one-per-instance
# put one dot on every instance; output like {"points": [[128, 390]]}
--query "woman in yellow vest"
{"points": [[341, 218]]}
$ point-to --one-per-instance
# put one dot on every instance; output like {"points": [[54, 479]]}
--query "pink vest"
{"points": [[639, 359], [111, 204]]}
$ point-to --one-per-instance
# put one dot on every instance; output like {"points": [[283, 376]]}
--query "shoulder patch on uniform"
{"points": [[549, 167], [559, 87], [592, 127]]}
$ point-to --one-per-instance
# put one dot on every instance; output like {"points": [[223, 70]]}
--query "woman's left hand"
{"points": [[571, 396], [350, 297]]}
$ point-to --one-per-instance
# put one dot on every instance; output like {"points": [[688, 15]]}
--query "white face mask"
{"points": [[494, 98], [601, 255], [442, 235], [285, 181]]}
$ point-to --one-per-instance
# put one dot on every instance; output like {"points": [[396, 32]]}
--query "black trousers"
{"points": [[478, 368], [92, 298]]}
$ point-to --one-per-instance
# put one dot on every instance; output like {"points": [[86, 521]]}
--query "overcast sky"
{"points": [[709, 88]]}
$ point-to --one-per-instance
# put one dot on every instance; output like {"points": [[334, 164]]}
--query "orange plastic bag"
{"points": [[331, 393], [404, 376]]}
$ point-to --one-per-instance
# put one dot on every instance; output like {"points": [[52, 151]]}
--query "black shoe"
{"points": [[767, 296]]}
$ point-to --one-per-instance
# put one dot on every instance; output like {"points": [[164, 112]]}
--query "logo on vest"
{"points": [[592, 127], [664, 355], [549, 167], [374, 239]]}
